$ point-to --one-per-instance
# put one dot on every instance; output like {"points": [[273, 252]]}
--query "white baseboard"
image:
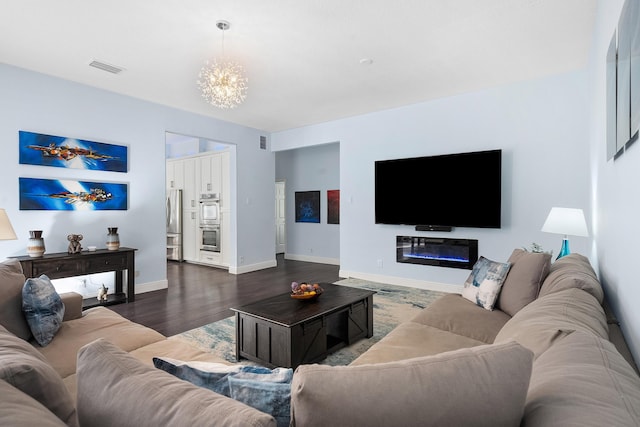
{"points": [[207, 264], [253, 267], [309, 258], [401, 281], [141, 288]]}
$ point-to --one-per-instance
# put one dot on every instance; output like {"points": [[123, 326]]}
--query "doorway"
{"points": [[281, 224], [196, 166]]}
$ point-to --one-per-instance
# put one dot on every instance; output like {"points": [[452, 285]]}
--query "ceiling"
{"points": [[302, 57]]}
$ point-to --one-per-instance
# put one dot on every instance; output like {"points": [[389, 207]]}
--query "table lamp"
{"points": [[567, 221], [6, 230]]}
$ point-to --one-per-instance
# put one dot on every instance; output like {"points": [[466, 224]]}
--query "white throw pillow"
{"points": [[483, 285]]}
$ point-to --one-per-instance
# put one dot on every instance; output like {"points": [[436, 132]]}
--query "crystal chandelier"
{"points": [[223, 83]]}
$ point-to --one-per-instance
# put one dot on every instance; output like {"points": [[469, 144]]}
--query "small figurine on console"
{"points": [[102, 293], [74, 243]]}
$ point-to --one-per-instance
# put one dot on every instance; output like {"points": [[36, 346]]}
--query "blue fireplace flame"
{"points": [[437, 257]]}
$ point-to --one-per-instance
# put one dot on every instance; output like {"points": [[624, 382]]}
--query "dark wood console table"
{"points": [[62, 264]]}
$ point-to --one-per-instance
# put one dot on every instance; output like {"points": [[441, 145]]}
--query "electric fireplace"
{"points": [[442, 252]]}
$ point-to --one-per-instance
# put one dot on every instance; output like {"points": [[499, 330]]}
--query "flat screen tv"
{"points": [[452, 190]]}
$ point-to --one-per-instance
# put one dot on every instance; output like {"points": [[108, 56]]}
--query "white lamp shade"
{"points": [[6, 230], [567, 221]]}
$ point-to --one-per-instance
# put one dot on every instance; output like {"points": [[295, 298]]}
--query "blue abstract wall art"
{"points": [[71, 195], [59, 151], [307, 206]]}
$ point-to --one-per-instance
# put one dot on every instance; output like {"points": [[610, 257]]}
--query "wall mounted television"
{"points": [[451, 190]]}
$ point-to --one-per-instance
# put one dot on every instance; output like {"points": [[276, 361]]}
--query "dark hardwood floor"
{"points": [[198, 295]]}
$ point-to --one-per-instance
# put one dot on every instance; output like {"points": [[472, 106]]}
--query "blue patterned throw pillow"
{"points": [[43, 308], [267, 390], [483, 285]]}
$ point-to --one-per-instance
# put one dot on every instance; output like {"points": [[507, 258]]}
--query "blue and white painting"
{"points": [[71, 195], [59, 151]]}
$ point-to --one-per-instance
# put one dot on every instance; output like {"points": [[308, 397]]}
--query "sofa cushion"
{"points": [[485, 281], [42, 308], [550, 318], [174, 348], [480, 386], [25, 369], [18, 409], [72, 387], [572, 271], [522, 284], [11, 283], [142, 396], [99, 322], [582, 380], [453, 313], [409, 340]]}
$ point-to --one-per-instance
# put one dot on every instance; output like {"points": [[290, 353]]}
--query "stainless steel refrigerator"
{"points": [[174, 225]]}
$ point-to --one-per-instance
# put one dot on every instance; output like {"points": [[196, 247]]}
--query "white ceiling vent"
{"points": [[106, 67]]}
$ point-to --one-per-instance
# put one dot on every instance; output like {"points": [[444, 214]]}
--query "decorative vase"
{"points": [[113, 239], [35, 245]]}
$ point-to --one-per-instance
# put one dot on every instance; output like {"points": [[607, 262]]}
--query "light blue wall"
{"points": [[541, 126], [615, 193], [309, 169], [39, 103]]}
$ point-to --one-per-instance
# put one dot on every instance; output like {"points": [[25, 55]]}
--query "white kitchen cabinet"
{"points": [[190, 192], [211, 173], [209, 257], [170, 174], [175, 174], [190, 236]]}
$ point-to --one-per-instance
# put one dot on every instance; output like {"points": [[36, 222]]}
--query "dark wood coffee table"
{"points": [[284, 332]]}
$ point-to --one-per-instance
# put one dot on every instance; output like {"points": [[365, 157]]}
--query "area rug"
{"points": [[391, 305]]}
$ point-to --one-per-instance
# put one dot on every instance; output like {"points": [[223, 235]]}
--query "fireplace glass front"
{"points": [[442, 252]]}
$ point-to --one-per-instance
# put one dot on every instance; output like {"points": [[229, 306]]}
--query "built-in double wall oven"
{"points": [[210, 222]]}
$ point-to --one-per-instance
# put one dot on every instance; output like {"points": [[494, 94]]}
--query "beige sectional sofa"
{"points": [[578, 376], [543, 357]]}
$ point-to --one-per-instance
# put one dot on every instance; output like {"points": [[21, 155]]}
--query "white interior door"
{"points": [[281, 239]]}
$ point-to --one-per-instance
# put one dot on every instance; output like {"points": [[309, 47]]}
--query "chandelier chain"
{"points": [[223, 30]]}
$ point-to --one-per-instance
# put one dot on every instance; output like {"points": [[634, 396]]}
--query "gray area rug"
{"points": [[391, 305]]}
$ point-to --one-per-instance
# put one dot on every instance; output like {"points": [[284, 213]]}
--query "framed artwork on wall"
{"points": [[62, 152], [71, 195], [623, 82], [623, 112], [307, 206], [634, 12], [333, 206], [612, 123]]}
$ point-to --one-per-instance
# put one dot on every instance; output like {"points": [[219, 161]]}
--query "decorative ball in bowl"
{"points": [[305, 291]]}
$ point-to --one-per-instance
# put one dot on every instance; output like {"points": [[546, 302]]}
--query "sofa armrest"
{"points": [[72, 305]]}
